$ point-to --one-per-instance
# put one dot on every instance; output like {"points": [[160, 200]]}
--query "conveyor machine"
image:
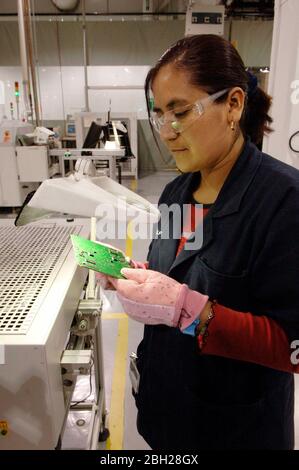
{"points": [[42, 348], [50, 328]]}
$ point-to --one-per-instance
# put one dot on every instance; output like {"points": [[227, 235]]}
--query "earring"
{"points": [[232, 125]]}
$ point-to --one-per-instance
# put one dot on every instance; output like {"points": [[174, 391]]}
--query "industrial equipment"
{"points": [[127, 125], [87, 196], [22, 164], [40, 290], [50, 325], [70, 127], [12, 191], [204, 18], [41, 135]]}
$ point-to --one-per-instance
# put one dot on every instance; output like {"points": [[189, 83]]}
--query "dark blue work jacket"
{"points": [[249, 261]]}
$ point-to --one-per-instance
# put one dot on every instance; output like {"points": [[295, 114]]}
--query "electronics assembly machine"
{"points": [[12, 191], [83, 121], [30, 156], [49, 335], [23, 165], [50, 326]]}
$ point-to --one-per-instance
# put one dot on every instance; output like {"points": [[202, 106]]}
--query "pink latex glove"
{"points": [[154, 299], [138, 264], [104, 281]]}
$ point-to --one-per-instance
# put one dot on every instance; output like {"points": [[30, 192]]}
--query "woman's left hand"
{"points": [[154, 298]]}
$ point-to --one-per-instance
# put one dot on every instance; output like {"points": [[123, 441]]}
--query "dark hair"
{"points": [[213, 64]]}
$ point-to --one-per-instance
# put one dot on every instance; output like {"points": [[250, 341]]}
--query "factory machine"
{"points": [[50, 308], [24, 160], [29, 156], [49, 336]]}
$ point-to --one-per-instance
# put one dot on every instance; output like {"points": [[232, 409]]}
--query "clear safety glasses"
{"points": [[179, 119]]}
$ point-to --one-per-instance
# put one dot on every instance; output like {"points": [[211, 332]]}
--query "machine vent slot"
{"points": [[30, 258]]}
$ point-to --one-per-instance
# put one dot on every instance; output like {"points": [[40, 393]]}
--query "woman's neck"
{"points": [[212, 179]]}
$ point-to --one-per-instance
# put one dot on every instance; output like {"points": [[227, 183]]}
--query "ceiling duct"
{"points": [[253, 8], [66, 5]]}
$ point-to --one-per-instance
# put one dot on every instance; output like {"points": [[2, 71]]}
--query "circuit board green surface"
{"points": [[99, 257]]}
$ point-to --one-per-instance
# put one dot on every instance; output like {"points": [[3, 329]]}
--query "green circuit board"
{"points": [[98, 257]]}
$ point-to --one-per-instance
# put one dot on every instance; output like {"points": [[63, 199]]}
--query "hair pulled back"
{"points": [[212, 63]]}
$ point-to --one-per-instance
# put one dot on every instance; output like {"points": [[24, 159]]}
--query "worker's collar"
{"points": [[228, 201], [236, 184]]}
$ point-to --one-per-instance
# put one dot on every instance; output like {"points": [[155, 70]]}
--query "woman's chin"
{"points": [[185, 167]]}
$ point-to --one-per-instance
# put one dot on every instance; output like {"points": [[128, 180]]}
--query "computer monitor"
{"points": [[93, 136], [123, 136], [70, 129]]}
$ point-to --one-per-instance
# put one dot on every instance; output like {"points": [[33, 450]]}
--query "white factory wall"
{"points": [[119, 53], [62, 89], [109, 43], [125, 42], [284, 83]]}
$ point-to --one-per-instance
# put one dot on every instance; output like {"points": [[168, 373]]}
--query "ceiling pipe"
{"points": [[65, 5], [85, 57], [24, 62], [30, 55]]}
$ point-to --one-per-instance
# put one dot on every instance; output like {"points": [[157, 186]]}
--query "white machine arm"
{"points": [[84, 168]]}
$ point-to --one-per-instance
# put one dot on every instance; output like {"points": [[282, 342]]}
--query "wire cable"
{"points": [[290, 142], [74, 404]]}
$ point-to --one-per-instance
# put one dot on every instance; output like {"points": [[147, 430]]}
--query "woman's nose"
{"points": [[167, 132]]}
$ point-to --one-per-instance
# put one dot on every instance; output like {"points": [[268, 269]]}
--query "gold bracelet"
{"points": [[201, 331]]}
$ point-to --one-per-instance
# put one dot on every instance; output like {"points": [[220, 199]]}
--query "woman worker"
{"points": [[216, 362]]}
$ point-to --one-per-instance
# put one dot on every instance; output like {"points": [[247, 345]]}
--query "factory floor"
{"points": [[121, 337]]}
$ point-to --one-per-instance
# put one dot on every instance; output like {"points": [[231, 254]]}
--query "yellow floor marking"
{"points": [[117, 404], [129, 241], [134, 185], [113, 316]]}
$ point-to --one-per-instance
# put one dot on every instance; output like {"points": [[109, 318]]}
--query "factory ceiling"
{"points": [[234, 8]]}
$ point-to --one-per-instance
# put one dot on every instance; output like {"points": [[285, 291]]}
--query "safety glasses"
{"points": [[179, 119]]}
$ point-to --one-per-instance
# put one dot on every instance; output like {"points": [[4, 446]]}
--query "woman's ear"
{"points": [[236, 102]]}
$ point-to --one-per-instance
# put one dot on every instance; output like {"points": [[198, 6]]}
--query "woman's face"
{"points": [[207, 140]]}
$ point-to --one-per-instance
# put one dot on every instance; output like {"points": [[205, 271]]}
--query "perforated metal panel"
{"points": [[30, 258]]}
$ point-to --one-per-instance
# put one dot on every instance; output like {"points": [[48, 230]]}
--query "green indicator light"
{"points": [[17, 91]]}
